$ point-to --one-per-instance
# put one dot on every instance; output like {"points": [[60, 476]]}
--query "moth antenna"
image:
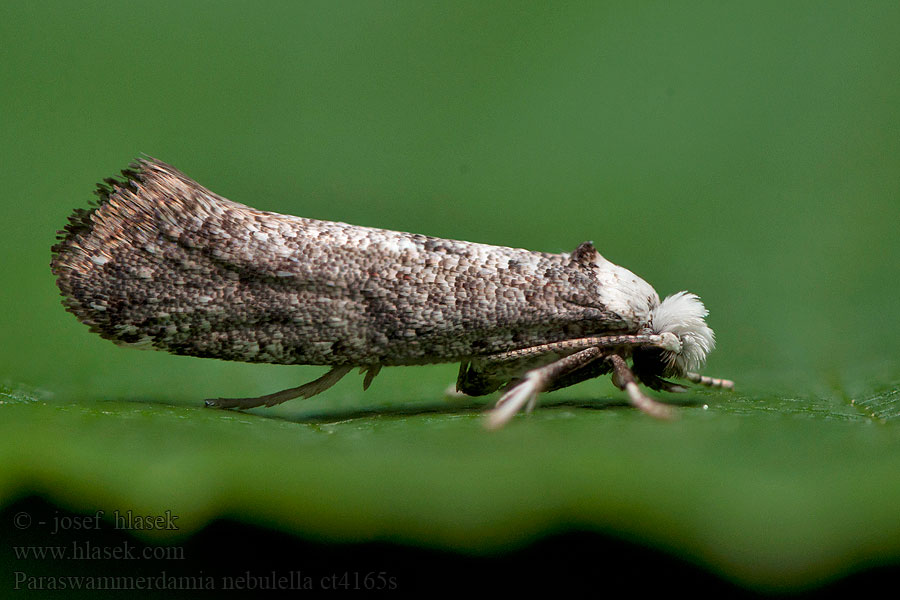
{"points": [[713, 382]]}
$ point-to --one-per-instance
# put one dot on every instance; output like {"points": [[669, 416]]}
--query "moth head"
{"points": [[683, 315]]}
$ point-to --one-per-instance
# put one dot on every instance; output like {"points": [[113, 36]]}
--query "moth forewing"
{"points": [[162, 262]]}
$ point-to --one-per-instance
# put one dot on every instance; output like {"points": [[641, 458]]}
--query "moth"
{"points": [[161, 262]]}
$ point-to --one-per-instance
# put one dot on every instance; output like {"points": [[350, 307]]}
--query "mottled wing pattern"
{"points": [[162, 262]]}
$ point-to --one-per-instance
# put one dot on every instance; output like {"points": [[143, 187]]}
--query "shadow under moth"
{"points": [[161, 262]]}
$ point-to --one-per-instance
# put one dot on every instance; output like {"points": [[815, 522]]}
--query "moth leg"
{"points": [[482, 375], [725, 384], [624, 379], [524, 393], [307, 390], [485, 374], [589, 371], [371, 371]]}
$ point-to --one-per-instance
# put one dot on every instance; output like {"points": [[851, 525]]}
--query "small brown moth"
{"points": [[161, 262]]}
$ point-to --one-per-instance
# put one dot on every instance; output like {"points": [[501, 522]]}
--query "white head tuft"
{"points": [[683, 315]]}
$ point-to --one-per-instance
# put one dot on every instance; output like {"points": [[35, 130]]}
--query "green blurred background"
{"points": [[749, 152]]}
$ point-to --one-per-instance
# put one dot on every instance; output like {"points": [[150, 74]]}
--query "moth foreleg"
{"points": [[307, 390], [624, 379], [485, 374], [524, 393]]}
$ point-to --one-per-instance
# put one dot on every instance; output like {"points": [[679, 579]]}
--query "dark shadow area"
{"points": [[46, 547], [452, 406]]}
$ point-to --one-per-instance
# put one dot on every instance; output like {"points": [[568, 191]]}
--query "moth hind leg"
{"points": [[307, 390]]}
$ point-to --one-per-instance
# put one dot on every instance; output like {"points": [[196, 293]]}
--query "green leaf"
{"points": [[765, 490]]}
